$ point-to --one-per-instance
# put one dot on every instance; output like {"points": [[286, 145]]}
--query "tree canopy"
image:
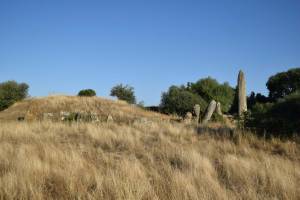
{"points": [[181, 99], [209, 88], [284, 83], [125, 93], [11, 92], [178, 100], [87, 93]]}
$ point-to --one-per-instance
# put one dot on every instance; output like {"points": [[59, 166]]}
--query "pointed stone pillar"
{"points": [[242, 93]]}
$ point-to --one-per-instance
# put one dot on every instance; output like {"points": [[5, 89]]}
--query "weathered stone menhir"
{"points": [[242, 93], [210, 110], [197, 112], [219, 109], [188, 117], [109, 119], [48, 116]]}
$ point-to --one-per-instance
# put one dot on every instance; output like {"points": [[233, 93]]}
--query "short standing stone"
{"points": [[110, 119], [188, 117], [219, 109], [142, 121], [197, 112], [48, 116], [94, 117], [64, 115], [210, 110]]}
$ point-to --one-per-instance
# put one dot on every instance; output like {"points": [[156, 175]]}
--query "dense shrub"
{"points": [[125, 93], [281, 118], [178, 100], [11, 92], [153, 108], [253, 99], [278, 114], [87, 93]]}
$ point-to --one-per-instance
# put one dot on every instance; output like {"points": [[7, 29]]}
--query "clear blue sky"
{"points": [[60, 46]]}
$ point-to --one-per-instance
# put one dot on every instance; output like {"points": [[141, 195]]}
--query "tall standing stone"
{"points": [[242, 93], [210, 111], [197, 112]]}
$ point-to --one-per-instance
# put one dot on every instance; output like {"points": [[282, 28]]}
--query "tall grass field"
{"points": [[158, 160]]}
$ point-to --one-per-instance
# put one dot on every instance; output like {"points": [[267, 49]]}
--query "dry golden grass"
{"points": [[43, 160]]}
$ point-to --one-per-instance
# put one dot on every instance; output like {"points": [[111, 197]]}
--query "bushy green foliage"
{"points": [[11, 92], [253, 99], [278, 114], [284, 83], [217, 118], [178, 100], [209, 88], [125, 93], [87, 93], [279, 118]]}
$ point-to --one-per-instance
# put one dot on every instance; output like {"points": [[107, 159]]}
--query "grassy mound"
{"points": [[34, 109]]}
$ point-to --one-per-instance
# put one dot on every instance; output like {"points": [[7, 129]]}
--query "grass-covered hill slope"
{"points": [[46, 160], [35, 108], [51, 159]]}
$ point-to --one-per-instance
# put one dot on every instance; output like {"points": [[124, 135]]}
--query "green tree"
{"points": [[178, 100], [125, 93], [209, 88], [87, 93], [11, 92], [278, 114], [284, 83]]}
